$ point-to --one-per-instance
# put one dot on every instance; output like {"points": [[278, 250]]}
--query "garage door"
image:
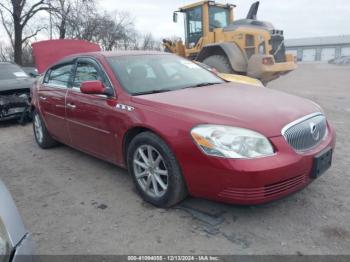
{"points": [[345, 51], [309, 55], [327, 54]]}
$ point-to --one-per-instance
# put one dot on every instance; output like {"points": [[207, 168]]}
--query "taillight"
{"points": [[268, 61]]}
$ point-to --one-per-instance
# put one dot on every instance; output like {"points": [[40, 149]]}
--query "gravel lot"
{"points": [[76, 204]]}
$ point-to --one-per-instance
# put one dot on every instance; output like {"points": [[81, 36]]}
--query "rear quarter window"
{"points": [[59, 75]]}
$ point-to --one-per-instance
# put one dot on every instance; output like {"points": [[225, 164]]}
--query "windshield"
{"points": [[141, 74], [11, 71]]}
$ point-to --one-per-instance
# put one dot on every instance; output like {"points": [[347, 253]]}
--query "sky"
{"points": [[298, 18]]}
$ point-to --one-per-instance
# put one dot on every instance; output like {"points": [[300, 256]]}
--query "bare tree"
{"points": [[150, 43], [59, 14], [112, 30], [78, 19], [64, 15], [131, 42], [15, 15], [76, 25], [6, 52], [115, 30]]}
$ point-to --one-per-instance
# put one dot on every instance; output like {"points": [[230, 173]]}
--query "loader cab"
{"points": [[202, 18]]}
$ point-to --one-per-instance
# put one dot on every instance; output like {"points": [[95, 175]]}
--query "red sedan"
{"points": [[180, 129]]}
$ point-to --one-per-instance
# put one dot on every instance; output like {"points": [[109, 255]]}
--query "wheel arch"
{"points": [[236, 57], [131, 133]]}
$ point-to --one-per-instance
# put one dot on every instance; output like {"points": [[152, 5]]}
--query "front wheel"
{"points": [[155, 171], [42, 136], [220, 63]]}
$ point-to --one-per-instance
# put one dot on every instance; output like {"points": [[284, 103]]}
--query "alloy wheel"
{"points": [[150, 171], [38, 128]]}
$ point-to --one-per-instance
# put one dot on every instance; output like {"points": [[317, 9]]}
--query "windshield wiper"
{"points": [[204, 84], [168, 90], [152, 92]]}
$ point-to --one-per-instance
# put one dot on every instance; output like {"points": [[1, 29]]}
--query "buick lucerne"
{"points": [[179, 129]]}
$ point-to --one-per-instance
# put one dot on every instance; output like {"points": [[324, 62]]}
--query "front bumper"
{"points": [[14, 105], [250, 181], [266, 73], [13, 113]]}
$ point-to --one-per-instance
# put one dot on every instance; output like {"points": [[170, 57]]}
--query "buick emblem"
{"points": [[315, 133]]}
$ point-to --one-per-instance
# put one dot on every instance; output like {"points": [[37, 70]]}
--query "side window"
{"points": [[59, 76], [85, 72], [218, 17]]}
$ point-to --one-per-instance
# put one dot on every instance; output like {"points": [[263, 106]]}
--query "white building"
{"points": [[319, 48]]}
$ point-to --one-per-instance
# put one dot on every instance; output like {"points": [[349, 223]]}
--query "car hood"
{"points": [[261, 109], [14, 84]]}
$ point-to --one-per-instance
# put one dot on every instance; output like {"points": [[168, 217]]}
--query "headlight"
{"points": [[231, 142], [5, 247]]}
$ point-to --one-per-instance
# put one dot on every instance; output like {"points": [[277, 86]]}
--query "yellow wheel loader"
{"points": [[245, 46]]}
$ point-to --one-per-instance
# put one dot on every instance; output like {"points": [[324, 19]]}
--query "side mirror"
{"points": [[175, 17], [33, 75], [95, 87]]}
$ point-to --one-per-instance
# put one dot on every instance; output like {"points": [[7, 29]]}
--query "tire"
{"points": [[148, 184], [220, 63], [42, 136]]}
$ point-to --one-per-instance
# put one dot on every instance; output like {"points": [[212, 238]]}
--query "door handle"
{"points": [[43, 98], [71, 106]]}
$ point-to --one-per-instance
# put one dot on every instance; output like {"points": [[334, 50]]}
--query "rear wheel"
{"points": [[155, 171], [42, 136], [220, 63]]}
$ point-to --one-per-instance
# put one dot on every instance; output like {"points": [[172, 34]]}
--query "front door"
{"points": [[52, 100], [91, 120], [194, 26]]}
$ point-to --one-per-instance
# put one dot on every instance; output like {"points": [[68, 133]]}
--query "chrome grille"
{"points": [[306, 133]]}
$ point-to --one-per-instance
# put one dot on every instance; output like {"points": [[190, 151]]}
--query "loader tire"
{"points": [[220, 63]]}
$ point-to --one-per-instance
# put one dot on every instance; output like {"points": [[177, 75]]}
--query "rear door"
{"points": [[91, 119], [52, 100]]}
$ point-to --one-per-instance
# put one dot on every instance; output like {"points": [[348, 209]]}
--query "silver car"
{"points": [[16, 243]]}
